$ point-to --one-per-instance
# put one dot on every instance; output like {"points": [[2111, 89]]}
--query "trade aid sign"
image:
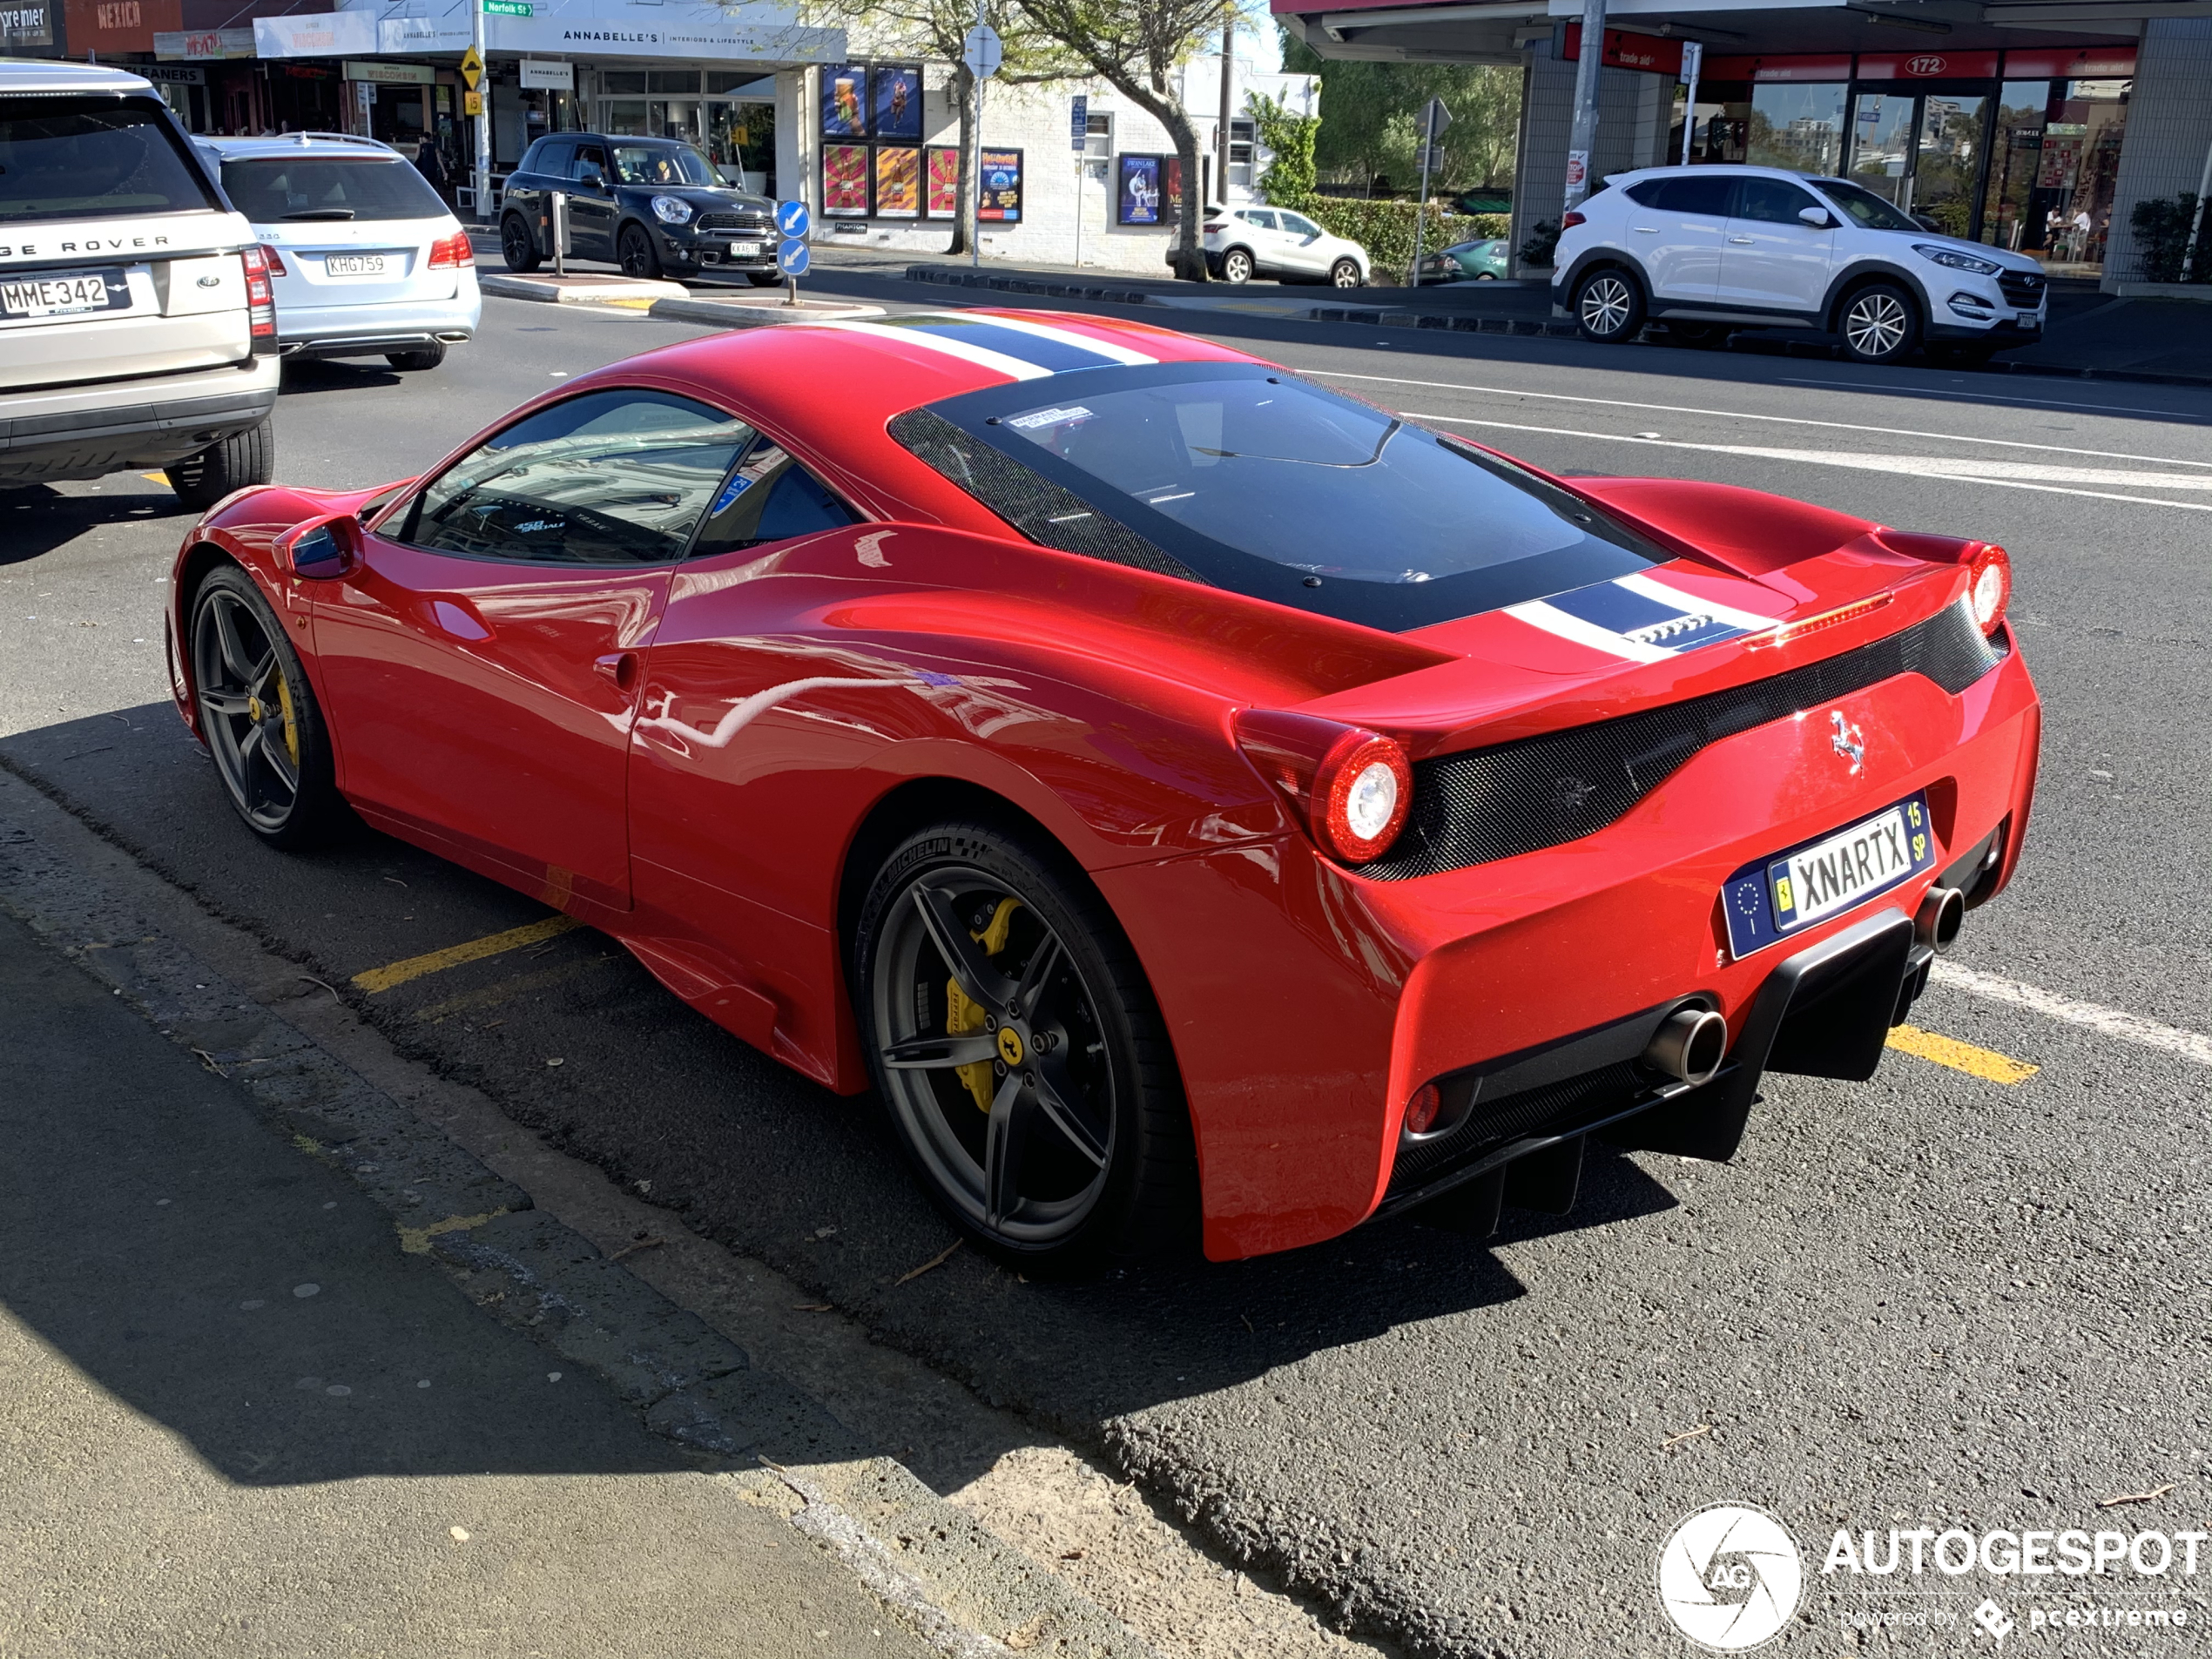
{"points": [[1731, 1578]]}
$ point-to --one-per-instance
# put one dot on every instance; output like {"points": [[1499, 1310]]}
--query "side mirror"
{"points": [[1816, 217], [321, 550], [591, 178]]}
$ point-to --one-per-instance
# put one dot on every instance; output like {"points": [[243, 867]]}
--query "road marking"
{"points": [[505, 990], [2111, 1022], [1995, 397], [1742, 414], [383, 979], [1909, 466], [1985, 1063]]}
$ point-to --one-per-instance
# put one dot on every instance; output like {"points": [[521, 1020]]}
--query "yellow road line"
{"points": [[383, 979], [1985, 1063]]}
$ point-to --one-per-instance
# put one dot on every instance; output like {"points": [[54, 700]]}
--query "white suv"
{"points": [[137, 328], [1274, 241], [1707, 250], [367, 260]]}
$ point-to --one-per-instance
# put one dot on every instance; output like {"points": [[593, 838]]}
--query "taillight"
{"points": [[1422, 1110], [1989, 585], [269, 258], [1219, 225], [260, 303], [449, 253], [1568, 221], [1352, 786]]}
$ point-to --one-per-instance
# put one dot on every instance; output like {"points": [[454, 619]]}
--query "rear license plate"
{"points": [[1782, 894], [65, 294], [348, 264]]}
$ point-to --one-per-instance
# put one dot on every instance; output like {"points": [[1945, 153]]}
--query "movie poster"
{"points": [[944, 181], [1171, 186], [844, 181], [1137, 190], [898, 183], [999, 196], [895, 101], [845, 92]]}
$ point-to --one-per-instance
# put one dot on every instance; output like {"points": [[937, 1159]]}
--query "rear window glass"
{"points": [[273, 189], [62, 159], [1277, 488]]}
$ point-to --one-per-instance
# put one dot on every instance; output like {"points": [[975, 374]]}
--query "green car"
{"points": [[1486, 261]]}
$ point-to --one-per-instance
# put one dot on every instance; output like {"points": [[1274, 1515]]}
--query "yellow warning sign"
{"points": [[472, 104], [472, 69]]}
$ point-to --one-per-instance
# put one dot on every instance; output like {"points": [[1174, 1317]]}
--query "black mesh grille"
{"points": [[741, 224], [1497, 803], [1592, 1095], [1035, 505], [2022, 288]]}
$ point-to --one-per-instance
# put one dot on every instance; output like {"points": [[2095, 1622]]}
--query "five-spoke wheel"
{"points": [[1013, 1038], [257, 714]]}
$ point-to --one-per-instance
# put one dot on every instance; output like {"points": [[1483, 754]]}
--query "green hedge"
{"points": [[1385, 228]]}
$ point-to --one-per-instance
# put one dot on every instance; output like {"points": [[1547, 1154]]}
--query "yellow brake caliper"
{"points": [[963, 1014], [291, 723]]}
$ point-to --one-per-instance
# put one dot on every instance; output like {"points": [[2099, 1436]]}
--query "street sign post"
{"points": [[1693, 59], [1078, 137], [475, 105], [981, 51], [791, 255], [1434, 118]]}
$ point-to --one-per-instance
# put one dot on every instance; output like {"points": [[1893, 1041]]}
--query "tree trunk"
{"points": [[1167, 110], [964, 211]]}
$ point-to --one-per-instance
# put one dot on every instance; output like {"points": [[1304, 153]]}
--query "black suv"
{"points": [[652, 205]]}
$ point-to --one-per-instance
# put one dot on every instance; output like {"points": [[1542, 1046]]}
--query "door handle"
{"points": [[1645, 230], [1744, 242], [619, 668]]}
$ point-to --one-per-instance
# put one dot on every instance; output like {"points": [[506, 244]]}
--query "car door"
{"points": [[591, 203], [1773, 260], [483, 661], [1676, 229], [1305, 244], [1263, 237]]}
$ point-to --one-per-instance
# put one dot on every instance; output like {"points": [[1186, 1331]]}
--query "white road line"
{"points": [[1740, 414], [1992, 397], [2111, 1022], [1909, 466]]}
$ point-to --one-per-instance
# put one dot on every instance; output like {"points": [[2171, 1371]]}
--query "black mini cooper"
{"points": [[654, 206]]}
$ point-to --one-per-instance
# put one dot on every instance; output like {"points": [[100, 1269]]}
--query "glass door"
{"points": [[1883, 129], [741, 140], [1948, 159]]}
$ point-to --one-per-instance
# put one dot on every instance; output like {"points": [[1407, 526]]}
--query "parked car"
{"points": [[366, 259], [1710, 249], [653, 206], [1485, 259], [1246, 242], [1192, 798], [137, 328]]}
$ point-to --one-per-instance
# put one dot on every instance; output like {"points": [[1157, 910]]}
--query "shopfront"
{"points": [[730, 113], [2019, 149]]}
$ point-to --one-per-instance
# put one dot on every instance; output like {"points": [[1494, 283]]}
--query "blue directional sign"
{"points": [[791, 258], [792, 218], [1078, 124]]}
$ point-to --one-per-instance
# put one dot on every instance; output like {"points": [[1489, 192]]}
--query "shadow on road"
{"points": [[36, 520]]}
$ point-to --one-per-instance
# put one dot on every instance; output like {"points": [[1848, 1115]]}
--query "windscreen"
{"points": [[272, 190], [637, 163], [1281, 489], [72, 158], [1864, 207]]}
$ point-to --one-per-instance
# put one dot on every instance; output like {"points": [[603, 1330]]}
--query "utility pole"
{"points": [[1228, 106], [1583, 137], [1693, 63], [1434, 118], [483, 114]]}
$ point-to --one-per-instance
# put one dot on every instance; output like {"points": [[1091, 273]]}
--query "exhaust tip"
{"points": [[1690, 1045], [1943, 912]]}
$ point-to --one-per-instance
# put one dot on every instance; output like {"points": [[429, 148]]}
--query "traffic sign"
{"points": [[792, 217], [472, 67], [472, 104], [981, 51], [1434, 118], [791, 258], [509, 9], [1079, 125]]}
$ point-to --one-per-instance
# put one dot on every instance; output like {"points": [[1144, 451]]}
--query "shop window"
{"points": [[1798, 127], [672, 80], [1098, 137], [1241, 137], [2015, 153], [614, 82]]}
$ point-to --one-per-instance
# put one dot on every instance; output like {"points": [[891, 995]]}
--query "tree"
{"points": [[1371, 119], [937, 29], [1139, 47], [1288, 138]]}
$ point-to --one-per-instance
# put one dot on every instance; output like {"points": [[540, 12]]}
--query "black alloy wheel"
{"points": [[1880, 323], [639, 259], [1609, 306], [516, 246], [259, 715], [1017, 1045]]}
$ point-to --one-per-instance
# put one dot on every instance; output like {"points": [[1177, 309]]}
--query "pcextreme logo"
{"points": [[1729, 1577]]}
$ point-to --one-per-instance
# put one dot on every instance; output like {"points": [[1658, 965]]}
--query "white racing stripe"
{"points": [[1909, 466], [1069, 337], [1552, 620], [1652, 588], [2111, 1022], [1740, 414], [1013, 367]]}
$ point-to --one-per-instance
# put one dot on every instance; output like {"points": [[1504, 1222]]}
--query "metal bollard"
{"points": [[560, 232]]}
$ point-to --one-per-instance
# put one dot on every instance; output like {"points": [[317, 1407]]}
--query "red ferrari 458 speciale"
{"points": [[1188, 796]]}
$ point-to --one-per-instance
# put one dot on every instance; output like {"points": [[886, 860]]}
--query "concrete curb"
{"points": [[579, 290], [736, 314], [952, 1578], [960, 276]]}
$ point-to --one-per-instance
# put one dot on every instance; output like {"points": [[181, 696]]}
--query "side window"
{"points": [[1771, 200], [769, 497], [1264, 220], [553, 156], [1647, 193], [1706, 195], [617, 478], [590, 162], [1297, 226]]}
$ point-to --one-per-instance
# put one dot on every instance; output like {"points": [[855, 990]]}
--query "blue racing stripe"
{"points": [[1049, 354], [1615, 608]]}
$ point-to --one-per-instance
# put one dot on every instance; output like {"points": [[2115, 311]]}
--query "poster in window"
{"points": [[1171, 186], [844, 181], [845, 92], [999, 196], [895, 93], [1137, 190], [944, 181], [898, 182]]}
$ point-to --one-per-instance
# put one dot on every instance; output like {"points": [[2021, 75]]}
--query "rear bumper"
{"points": [[367, 330], [89, 431]]}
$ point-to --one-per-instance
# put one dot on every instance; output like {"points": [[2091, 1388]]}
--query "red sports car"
{"points": [[1184, 792]]}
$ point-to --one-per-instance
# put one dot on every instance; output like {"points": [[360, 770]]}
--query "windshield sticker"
{"points": [[1639, 619], [736, 486], [1050, 417]]}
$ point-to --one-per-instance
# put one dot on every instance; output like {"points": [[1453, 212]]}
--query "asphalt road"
{"points": [[1935, 1300]]}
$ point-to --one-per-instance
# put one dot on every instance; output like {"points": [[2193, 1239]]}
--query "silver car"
{"points": [[136, 324], [366, 259]]}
